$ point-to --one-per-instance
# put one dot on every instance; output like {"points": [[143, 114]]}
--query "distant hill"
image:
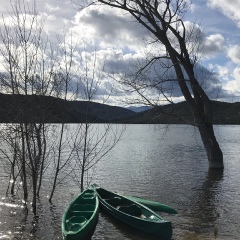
{"points": [[139, 109], [33, 108], [180, 113]]}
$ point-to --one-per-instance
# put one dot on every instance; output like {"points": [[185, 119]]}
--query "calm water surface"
{"points": [[158, 163]]}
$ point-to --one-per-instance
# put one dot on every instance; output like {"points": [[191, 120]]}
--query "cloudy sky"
{"points": [[118, 41]]}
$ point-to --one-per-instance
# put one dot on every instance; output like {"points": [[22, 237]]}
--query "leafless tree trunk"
{"points": [[85, 146], [42, 144], [23, 163], [11, 158], [58, 166]]}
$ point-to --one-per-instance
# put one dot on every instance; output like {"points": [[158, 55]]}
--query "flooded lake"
{"points": [[162, 163]]}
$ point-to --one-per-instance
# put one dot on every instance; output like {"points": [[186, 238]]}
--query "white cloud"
{"points": [[206, 46], [213, 45], [52, 8], [223, 72], [233, 86], [228, 8], [229, 75], [236, 74], [234, 53], [109, 28], [57, 15]]}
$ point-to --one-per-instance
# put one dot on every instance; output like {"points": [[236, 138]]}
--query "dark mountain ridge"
{"points": [[34, 108], [180, 113]]}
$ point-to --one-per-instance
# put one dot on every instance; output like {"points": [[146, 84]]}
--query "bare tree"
{"points": [[64, 76], [11, 156], [29, 63], [164, 21], [92, 141], [87, 142], [33, 68]]}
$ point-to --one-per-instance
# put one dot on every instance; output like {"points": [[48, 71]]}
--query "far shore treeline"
{"points": [[34, 108]]}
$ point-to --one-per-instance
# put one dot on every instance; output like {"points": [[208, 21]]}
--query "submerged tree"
{"points": [[164, 21], [35, 70], [29, 65], [92, 142], [63, 76], [87, 142]]}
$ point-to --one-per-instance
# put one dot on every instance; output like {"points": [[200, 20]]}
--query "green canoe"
{"points": [[81, 216], [133, 213], [155, 206]]}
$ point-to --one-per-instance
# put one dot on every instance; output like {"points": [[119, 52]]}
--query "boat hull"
{"points": [[81, 216], [134, 214]]}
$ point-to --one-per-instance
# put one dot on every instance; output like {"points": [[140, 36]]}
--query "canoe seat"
{"points": [[85, 214], [87, 195], [133, 210], [86, 200], [83, 207], [115, 201], [75, 223], [90, 191]]}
